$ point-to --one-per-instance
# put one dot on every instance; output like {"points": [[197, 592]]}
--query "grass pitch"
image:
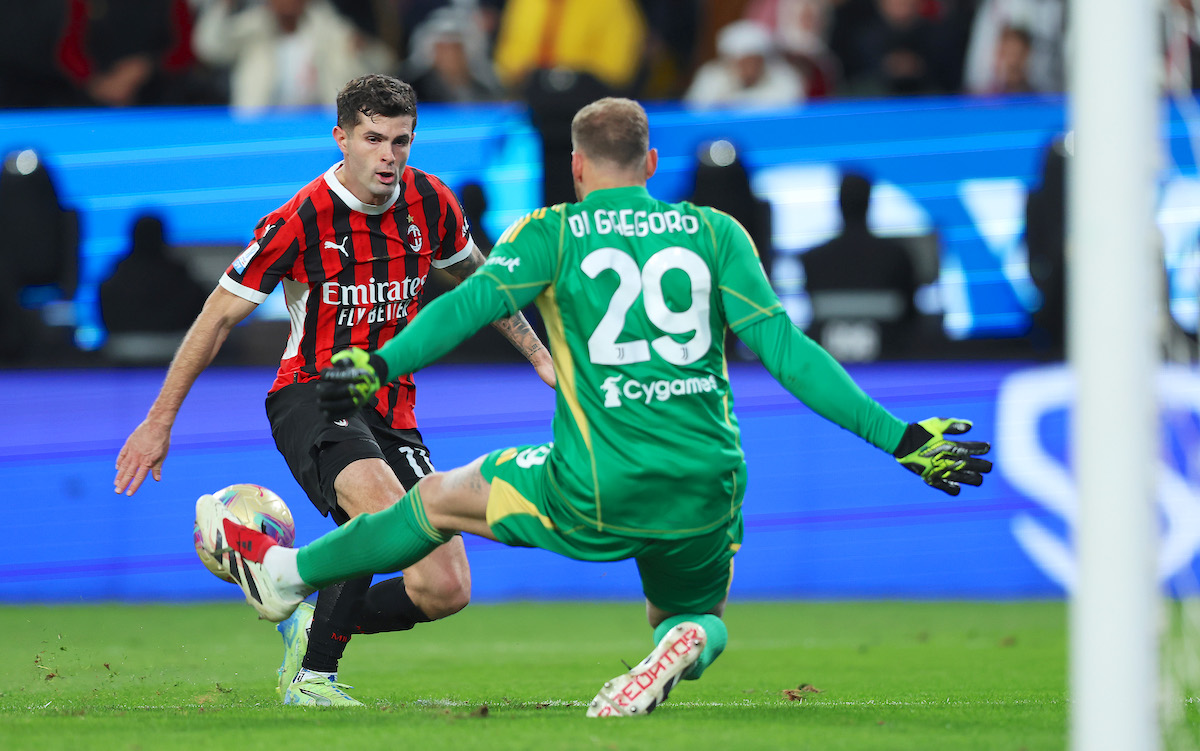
{"points": [[519, 676]]}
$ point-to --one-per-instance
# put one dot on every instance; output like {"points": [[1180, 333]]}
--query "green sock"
{"points": [[383, 542], [718, 635]]}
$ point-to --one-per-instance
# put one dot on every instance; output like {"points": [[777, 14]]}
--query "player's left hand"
{"points": [[352, 378], [943, 463]]}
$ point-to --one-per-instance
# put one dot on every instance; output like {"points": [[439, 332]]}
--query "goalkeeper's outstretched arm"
{"points": [[355, 375], [514, 328], [815, 378]]}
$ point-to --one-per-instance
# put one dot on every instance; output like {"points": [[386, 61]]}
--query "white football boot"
{"points": [[241, 549], [646, 686]]}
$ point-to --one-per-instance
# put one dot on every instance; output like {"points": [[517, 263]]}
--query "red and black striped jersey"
{"points": [[353, 273]]}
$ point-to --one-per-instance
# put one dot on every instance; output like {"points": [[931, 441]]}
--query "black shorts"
{"points": [[317, 450]]}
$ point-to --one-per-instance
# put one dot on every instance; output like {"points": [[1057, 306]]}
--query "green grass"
{"points": [[891, 676]]}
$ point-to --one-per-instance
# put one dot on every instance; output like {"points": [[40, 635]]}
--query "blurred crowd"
{"points": [[554, 56], [266, 53]]}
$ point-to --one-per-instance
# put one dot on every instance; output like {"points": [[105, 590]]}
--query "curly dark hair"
{"points": [[375, 94]]}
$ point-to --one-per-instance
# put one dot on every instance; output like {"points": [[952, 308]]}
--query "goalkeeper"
{"points": [[646, 461]]}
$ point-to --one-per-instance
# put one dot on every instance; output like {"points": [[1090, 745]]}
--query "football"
{"points": [[255, 506]]}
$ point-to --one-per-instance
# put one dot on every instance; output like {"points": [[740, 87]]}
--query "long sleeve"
{"points": [[812, 375], [801, 366], [446, 323]]}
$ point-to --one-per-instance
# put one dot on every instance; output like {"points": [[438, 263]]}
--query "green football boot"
{"points": [[295, 644], [317, 690]]}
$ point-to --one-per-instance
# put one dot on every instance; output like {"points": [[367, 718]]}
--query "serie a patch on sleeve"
{"points": [[240, 263]]}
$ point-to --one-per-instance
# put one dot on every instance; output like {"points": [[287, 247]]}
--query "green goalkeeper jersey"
{"points": [[636, 295]]}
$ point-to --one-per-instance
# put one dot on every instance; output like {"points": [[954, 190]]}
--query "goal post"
{"points": [[1112, 265]]}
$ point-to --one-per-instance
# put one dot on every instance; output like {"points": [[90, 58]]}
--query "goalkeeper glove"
{"points": [[352, 378], [943, 463]]}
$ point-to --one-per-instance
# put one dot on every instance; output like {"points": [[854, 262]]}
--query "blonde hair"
{"points": [[613, 130]]}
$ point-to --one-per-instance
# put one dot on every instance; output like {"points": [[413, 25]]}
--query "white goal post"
{"points": [[1112, 267]]}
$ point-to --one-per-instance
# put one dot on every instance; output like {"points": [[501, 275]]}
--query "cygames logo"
{"points": [[651, 391]]}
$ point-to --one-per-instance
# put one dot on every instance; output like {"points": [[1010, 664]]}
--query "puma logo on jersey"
{"points": [[330, 244]]}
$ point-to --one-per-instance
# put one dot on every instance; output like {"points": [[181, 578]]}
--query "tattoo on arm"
{"points": [[518, 331], [514, 328], [467, 266]]}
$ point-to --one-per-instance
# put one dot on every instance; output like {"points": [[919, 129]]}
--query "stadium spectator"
{"points": [[1012, 62], [1181, 45], [87, 52], [39, 249], [39, 246], [20, 329], [377, 20], [369, 204], [31, 71], [475, 205], [603, 40], [398, 22], [748, 72], [1045, 20], [647, 462], [800, 29], [557, 55], [673, 29], [847, 18], [861, 285], [952, 31], [450, 61], [150, 300], [136, 52], [285, 52], [894, 52]]}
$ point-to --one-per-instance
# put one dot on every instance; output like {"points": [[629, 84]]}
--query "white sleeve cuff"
{"points": [[242, 291], [460, 255]]}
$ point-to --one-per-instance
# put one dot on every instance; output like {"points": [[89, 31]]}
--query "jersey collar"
{"points": [[342, 192], [626, 192]]}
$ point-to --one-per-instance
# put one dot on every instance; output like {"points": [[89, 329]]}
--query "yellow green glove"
{"points": [[352, 378], [940, 462]]}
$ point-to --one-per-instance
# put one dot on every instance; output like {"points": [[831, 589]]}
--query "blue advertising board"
{"points": [[953, 170], [827, 515]]}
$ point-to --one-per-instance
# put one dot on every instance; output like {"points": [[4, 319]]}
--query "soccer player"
{"points": [[353, 250], [646, 461]]}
